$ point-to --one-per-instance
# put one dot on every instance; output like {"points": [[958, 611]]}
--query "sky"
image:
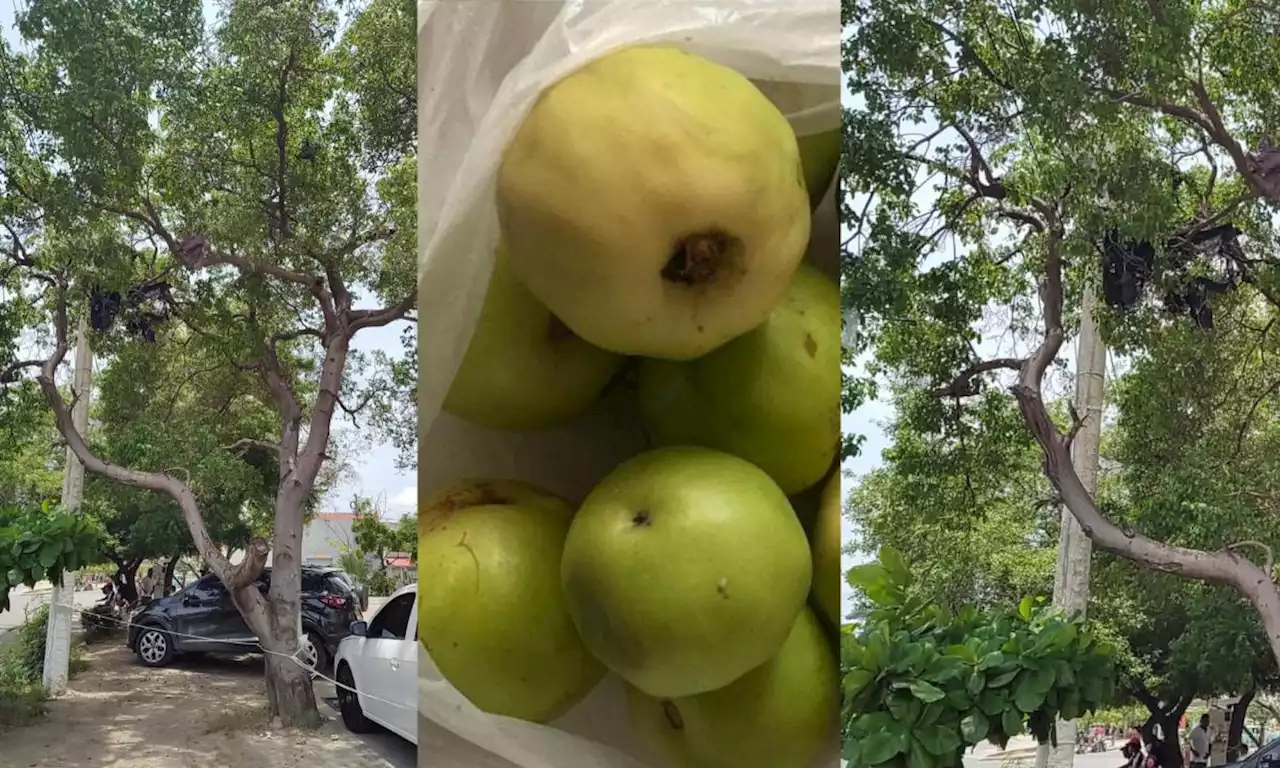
{"points": [[373, 472]]}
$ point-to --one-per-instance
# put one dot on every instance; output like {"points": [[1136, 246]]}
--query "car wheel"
{"points": [[154, 647], [313, 656], [349, 704]]}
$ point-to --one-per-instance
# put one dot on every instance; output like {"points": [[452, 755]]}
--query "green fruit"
{"points": [[771, 397], [524, 369], [655, 202], [779, 715], [684, 569], [490, 608], [820, 154], [826, 553]]}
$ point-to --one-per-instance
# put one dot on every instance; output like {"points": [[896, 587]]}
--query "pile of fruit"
{"points": [[655, 210]]}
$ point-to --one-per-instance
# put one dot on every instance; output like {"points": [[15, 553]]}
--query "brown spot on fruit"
{"points": [[698, 259], [642, 519], [810, 345], [673, 715], [451, 501]]}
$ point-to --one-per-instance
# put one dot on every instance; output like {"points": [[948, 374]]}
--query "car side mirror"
{"points": [[188, 599], [360, 628]]}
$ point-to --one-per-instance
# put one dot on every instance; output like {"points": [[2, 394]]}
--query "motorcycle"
{"points": [[108, 615]]}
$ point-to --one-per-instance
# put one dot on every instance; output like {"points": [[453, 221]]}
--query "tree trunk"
{"points": [[1235, 729], [290, 695], [170, 571], [1168, 718]]}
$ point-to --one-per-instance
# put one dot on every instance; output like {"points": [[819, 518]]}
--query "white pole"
{"points": [[57, 650], [1071, 582]]}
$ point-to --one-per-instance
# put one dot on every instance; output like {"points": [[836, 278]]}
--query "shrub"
{"points": [[922, 685], [22, 694]]}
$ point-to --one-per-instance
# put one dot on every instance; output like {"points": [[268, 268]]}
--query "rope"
{"points": [[126, 623]]}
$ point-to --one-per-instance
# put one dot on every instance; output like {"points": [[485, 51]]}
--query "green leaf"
{"points": [[975, 727], [1032, 689], [938, 740], [881, 747], [1011, 722], [49, 555], [925, 691], [866, 576]]}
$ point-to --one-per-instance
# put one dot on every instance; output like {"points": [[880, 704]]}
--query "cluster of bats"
{"points": [[1128, 264]]}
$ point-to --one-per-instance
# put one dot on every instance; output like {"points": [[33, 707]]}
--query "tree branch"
{"points": [[1269, 565], [373, 318], [963, 384], [1223, 567], [162, 483]]}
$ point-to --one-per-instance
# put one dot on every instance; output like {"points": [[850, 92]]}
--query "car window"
{"points": [[313, 581], [1267, 757], [210, 585], [339, 586], [392, 622]]}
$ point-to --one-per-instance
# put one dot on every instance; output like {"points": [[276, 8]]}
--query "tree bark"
{"points": [[1168, 717], [170, 569], [1235, 729]]}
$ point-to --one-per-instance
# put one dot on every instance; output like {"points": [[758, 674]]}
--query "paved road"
{"points": [[1026, 759], [390, 747], [23, 600]]}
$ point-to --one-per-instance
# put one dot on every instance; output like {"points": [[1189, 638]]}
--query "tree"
{"points": [[968, 506], [1051, 139], [141, 394], [226, 184]]}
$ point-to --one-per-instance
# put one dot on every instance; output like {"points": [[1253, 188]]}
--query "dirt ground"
{"points": [[199, 713]]}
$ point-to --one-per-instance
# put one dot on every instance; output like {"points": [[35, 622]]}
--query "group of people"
{"points": [[149, 587], [1154, 753]]}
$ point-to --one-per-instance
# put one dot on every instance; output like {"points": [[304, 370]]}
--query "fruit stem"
{"points": [[698, 258]]}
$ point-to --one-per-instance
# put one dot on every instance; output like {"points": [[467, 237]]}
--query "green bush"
{"points": [[22, 694], [921, 684], [379, 584]]}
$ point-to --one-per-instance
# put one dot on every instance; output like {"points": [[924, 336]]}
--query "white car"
{"points": [[376, 667]]}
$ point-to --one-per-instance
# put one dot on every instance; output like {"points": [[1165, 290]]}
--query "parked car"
{"points": [[169, 626], [1267, 756], [360, 590], [376, 668]]}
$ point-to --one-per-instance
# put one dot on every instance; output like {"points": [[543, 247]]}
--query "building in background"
{"points": [[326, 537]]}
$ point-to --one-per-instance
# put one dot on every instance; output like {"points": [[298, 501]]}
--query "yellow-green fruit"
{"points": [[771, 396], [655, 201], [779, 715], [684, 569], [826, 553], [491, 612], [819, 152], [524, 369]]}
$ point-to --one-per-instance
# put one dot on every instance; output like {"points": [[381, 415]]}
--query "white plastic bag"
{"points": [[481, 66]]}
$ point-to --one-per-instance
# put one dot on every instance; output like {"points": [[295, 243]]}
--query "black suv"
{"points": [[202, 619]]}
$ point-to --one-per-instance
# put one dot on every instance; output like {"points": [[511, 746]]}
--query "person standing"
{"points": [[1200, 743], [147, 587]]}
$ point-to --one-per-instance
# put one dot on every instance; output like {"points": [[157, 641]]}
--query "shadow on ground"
{"points": [[201, 712]]}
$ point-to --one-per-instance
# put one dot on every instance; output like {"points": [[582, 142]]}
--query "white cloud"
{"points": [[403, 502]]}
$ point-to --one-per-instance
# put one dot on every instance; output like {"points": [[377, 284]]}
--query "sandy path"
{"points": [[199, 713]]}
